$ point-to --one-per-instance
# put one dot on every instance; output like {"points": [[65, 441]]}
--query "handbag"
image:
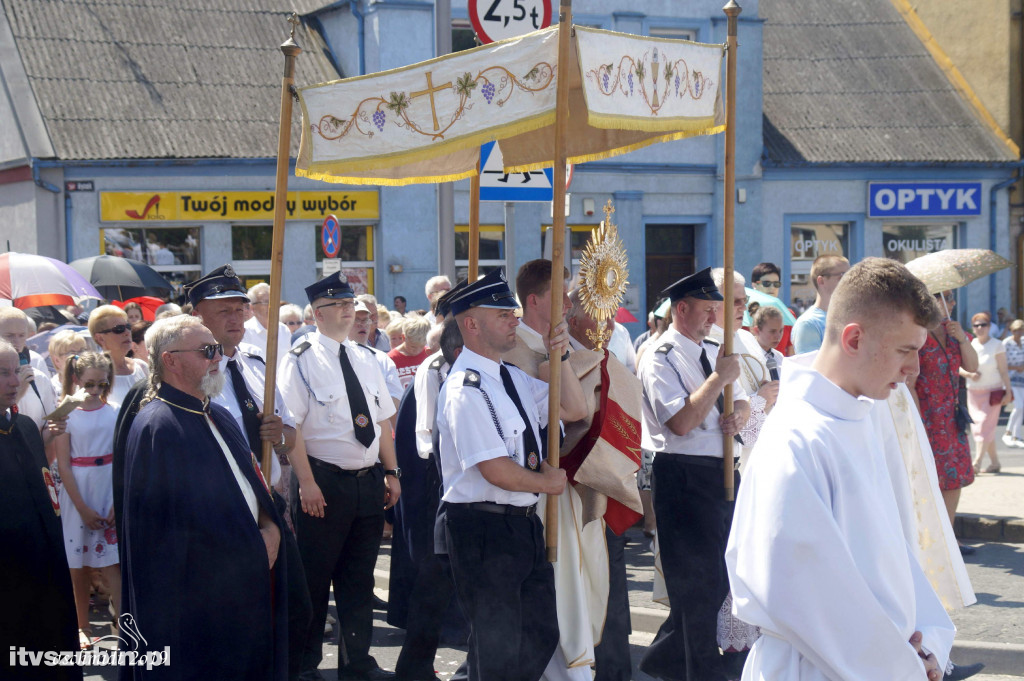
{"points": [[996, 397]]}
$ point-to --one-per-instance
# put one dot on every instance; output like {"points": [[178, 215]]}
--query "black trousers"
{"points": [[611, 656], [341, 549], [693, 529], [428, 605], [507, 589]]}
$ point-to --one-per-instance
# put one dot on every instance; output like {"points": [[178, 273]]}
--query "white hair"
{"points": [[7, 349], [167, 310], [163, 333], [718, 275], [434, 282], [261, 287], [307, 314], [290, 311]]}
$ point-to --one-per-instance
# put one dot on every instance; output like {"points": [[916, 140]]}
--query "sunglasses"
{"points": [[293, 323], [980, 325], [119, 329], [89, 385], [209, 351], [769, 284]]}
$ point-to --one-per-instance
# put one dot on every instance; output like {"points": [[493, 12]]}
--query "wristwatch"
{"points": [[566, 355], [397, 472]]}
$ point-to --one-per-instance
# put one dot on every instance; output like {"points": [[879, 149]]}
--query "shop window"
{"points": [[907, 242], [670, 256], [673, 32], [808, 241], [463, 37], [492, 249], [356, 254], [171, 251]]}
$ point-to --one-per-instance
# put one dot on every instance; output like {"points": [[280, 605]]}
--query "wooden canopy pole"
{"points": [[732, 10], [557, 258], [474, 225], [291, 51]]}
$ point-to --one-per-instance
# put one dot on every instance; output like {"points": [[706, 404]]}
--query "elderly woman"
{"points": [[108, 326], [1015, 364], [411, 352], [936, 390], [64, 344], [988, 389]]}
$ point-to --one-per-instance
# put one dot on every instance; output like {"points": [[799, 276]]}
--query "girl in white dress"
{"points": [[84, 454]]}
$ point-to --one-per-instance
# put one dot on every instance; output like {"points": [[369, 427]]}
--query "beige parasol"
{"points": [[953, 268]]}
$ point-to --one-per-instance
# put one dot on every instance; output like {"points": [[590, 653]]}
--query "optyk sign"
{"points": [[923, 199]]}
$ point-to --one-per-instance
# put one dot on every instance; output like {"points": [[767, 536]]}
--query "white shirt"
{"points": [[318, 401], [668, 379], [387, 366], [817, 557], [37, 361], [122, 384], [254, 374], [430, 374], [256, 335], [36, 407], [987, 365], [621, 345], [468, 435]]}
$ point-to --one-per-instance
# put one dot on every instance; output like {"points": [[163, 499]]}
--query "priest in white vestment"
{"points": [[817, 557]]}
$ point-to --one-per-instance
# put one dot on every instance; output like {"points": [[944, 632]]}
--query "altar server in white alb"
{"points": [[817, 556]]}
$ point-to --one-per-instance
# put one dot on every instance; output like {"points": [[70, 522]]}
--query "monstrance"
{"points": [[603, 276]]}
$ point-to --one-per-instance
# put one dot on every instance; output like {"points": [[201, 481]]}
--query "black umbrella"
{"points": [[122, 278]]}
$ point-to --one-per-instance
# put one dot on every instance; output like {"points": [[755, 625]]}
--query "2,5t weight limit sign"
{"points": [[495, 20]]}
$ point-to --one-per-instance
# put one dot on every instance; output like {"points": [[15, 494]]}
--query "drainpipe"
{"points": [[992, 228], [357, 12], [50, 187]]}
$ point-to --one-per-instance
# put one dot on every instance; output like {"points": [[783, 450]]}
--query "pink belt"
{"points": [[87, 461]]}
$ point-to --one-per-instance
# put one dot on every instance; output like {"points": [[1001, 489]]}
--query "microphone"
{"points": [[772, 366]]}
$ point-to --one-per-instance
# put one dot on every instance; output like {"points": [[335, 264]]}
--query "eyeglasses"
{"points": [[341, 303], [293, 323], [119, 329], [363, 322], [209, 351], [769, 284], [89, 385], [949, 299], [980, 325], [740, 302]]}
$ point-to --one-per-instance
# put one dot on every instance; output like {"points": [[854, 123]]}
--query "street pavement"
{"points": [[991, 631]]}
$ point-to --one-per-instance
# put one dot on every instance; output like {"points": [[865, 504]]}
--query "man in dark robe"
{"points": [[36, 585], [202, 574]]}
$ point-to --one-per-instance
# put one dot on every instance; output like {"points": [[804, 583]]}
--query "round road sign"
{"points": [[330, 237], [495, 20]]}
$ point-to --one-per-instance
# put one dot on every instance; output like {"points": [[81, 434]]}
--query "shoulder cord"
{"points": [[302, 375], [494, 414]]}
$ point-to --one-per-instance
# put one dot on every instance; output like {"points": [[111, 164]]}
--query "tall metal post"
{"points": [[445, 190]]}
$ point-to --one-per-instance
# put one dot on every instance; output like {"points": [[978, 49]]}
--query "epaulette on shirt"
{"points": [[712, 341], [436, 364], [256, 355], [665, 349], [300, 348], [367, 347], [472, 378]]}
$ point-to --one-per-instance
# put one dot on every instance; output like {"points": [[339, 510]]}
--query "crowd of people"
{"points": [[135, 473]]}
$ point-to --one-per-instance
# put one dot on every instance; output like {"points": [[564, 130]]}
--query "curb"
{"points": [[1003, 529], [999, 658]]}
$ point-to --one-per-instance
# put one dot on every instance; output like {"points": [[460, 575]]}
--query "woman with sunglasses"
{"points": [[988, 390], [936, 389], [108, 326], [84, 455]]}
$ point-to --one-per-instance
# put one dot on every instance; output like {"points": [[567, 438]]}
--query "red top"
{"points": [[407, 365]]}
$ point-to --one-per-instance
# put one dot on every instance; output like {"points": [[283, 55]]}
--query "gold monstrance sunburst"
{"points": [[603, 276]]}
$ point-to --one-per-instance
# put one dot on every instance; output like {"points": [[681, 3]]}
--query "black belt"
{"points": [[356, 473], [500, 509], [703, 461]]}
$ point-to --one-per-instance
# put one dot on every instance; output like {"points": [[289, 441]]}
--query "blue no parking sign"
{"points": [[330, 237]]}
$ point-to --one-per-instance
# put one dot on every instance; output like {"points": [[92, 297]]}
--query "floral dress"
{"points": [[937, 390]]}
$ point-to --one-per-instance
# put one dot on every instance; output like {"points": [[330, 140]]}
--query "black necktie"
{"points": [[5, 423], [247, 405], [705, 365], [532, 457], [356, 401]]}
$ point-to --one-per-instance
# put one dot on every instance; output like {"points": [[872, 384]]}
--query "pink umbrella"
{"points": [[624, 316], [28, 280]]}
